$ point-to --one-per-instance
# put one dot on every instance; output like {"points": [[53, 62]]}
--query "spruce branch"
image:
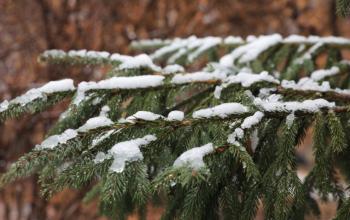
{"points": [[212, 143]]}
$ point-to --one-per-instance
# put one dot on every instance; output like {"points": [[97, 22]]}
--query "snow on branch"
{"points": [[247, 124], [272, 104], [193, 157], [125, 152], [222, 111], [37, 98]]}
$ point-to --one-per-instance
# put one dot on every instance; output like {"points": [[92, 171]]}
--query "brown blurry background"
{"points": [[29, 27]]}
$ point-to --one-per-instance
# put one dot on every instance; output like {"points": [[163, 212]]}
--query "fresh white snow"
{"points": [[132, 82], [234, 137], [193, 158], [251, 50], [232, 40], [247, 123], [197, 77], [222, 111], [253, 120], [136, 62], [144, 115], [173, 68], [128, 151], [323, 73], [315, 39], [55, 140], [248, 79], [96, 122], [176, 116], [36, 93], [271, 105]]}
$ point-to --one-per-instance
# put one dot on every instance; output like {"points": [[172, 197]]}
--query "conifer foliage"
{"points": [[207, 127]]}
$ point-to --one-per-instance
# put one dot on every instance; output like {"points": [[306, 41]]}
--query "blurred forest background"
{"points": [[27, 28]]}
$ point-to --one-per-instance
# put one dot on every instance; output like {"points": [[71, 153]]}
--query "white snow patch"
{"points": [[128, 151], [271, 105], [54, 53], [315, 39], [233, 40], [104, 111], [55, 140], [217, 92], [222, 111], [251, 50], [323, 73], [96, 122], [132, 82], [247, 123], [234, 137], [4, 105], [42, 92], [248, 79], [136, 62], [193, 158], [176, 116], [173, 68], [252, 120], [197, 77], [308, 84], [175, 45], [144, 115]]}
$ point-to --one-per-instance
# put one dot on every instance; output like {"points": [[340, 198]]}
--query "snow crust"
{"points": [[136, 62], [36, 93], [173, 68], [96, 122], [247, 123], [234, 137], [55, 140], [248, 79], [323, 73], [128, 151], [176, 116], [251, 50], [273, 105], [76, 54], [198, 77], [315, 39], [222, 111], [132, 82], [253, 120], [144, 115], [193, 158], [233, 40], [308, 84]]}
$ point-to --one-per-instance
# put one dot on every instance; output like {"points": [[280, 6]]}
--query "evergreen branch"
{"points": [[245, 126], [343, 7], [15, 110], [36, 100]]}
